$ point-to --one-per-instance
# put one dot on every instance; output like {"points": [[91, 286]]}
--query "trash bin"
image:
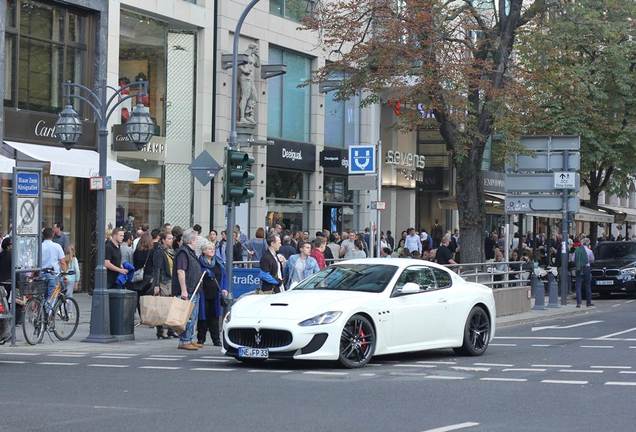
{"points": [[122, 304]]}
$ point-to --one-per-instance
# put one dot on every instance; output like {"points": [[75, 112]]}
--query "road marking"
{"points": [[550, 366], [610, 367], [210, 360], [12, 361], [215, 357], [20, 354], [439, 362], [274, 371], [541, 345], [160, 367], [57, 364], [161, 359], [415, 365], [621, 383], [167, 356], [504, 379], [630, 301], [596, 346], [107, 365], [611, 335], [564, 382], [213, 369], [325, 373], [525, 370], [616, 305], [556, 327], [471, 369], [367, 374], [454, 427], [411, 374], [67, 355], [538, 337], [113, 357], [503, 344], [580, 371], [634, 347], [445, 377], [494, 364], [628, 372], [119, 354]]}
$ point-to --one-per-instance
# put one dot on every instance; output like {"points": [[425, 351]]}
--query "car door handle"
{"points": [[441, 301]]}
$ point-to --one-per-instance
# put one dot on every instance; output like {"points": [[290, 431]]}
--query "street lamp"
{"points": [[68, 129]]}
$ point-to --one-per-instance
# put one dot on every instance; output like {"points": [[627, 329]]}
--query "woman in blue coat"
{"points": [[213, 289]]}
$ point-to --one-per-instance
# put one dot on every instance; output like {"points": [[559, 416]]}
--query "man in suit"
{"points": [[272, 265]]}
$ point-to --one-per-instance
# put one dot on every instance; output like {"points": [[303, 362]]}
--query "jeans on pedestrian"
{"points": [[51, 282], [187, 336], [584, 280]]}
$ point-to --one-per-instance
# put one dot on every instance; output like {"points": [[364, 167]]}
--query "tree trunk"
{"points": [[470, 203]]}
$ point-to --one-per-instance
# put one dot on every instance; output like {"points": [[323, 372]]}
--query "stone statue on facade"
{"points": [[247, 86]]}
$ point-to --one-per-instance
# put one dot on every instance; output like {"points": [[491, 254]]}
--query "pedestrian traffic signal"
{"points": [[238, 177]]}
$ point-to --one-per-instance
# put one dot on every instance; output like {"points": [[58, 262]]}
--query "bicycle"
{"points": [[62, 319]]}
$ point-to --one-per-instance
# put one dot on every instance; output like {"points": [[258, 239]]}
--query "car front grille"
{"points": [[597, 273], [612, 273], [264, 338], [609, 273]]}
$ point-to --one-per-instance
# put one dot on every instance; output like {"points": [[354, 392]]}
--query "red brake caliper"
{"points": [[363, 342]]}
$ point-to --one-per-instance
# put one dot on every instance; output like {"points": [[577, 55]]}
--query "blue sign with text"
{"points": [[245, 280], [27, 184], [361, 160]]}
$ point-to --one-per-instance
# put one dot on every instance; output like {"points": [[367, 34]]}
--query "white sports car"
{"points": [[356, 309]]}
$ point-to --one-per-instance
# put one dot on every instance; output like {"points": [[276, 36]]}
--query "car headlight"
{"points": [[325, 318], [628, 273]]}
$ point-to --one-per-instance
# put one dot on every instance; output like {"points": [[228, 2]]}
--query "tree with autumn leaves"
{"points": [[453, 56]]}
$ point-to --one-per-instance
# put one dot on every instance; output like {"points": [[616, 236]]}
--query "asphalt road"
{"points": [[576, 373]]}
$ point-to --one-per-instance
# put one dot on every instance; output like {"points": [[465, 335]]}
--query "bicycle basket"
{"points": [[32, 286]]}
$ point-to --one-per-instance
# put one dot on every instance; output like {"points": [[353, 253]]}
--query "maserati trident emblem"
{"points": [[257, 338]]}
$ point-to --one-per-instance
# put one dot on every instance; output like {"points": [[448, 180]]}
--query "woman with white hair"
{"points": [[211, 292]]}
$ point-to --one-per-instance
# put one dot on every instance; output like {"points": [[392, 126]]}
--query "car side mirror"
{"points": [[410, 288]]}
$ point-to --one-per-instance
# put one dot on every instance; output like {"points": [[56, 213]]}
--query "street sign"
{"points": [[27, 184], [539, 203], [536, 182], [204, 167], [28, 216], [378, 205], [564, 180], [552, 143], [362, 182], [541, 161], [362, 160]]}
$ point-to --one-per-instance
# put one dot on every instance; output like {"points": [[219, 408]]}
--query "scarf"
{"points": [[208, 267]]}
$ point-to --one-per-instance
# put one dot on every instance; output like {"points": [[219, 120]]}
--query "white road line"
{"points": [[538, 337], [610, 367], [107, 365], [20, 354], [325, 373], [367, 374], [632, 347], [423, 366], [628, 372], [439, 362], [621, 383], [580, 371], [111, 357], [503, 344], [525, 370], [211, 360], [630, 301], [160, 367], [274, 371], [161, 359], [611, 335], [494, 364], [411, 374], [454, 427], [563, 382], [12, 361], [167, 356], [550, 366], [119, 354], [470, 369], [215, 357], [541, 345], [504, 379], [597, 346], [67, 355], [57, 364], [445, 377], [616, 305], [213, 369]]}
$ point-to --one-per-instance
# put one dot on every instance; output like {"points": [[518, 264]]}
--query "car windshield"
{"points": [[619, 251], [350, 277]]}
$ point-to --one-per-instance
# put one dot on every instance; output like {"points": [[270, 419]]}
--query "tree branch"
{"points": [[539, 6]]}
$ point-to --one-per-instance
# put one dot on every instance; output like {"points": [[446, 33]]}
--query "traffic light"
{"points": [[238, 177]]}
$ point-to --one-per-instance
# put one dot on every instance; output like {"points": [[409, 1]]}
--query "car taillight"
{"points": [[2, 309]]}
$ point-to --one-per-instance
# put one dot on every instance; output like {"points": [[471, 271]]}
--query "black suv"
{"points": [[614, 269]]}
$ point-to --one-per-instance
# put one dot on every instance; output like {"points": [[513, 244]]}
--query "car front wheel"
{"points": [[476, 333], [357, 342]]}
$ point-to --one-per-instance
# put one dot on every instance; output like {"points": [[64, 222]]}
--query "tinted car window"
{"points": [[419, 275], [442, 277], [623, 250], [350, 277]]}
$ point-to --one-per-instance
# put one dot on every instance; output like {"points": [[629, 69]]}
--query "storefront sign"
{"points": [[37, 128], [291, 154], [405, 160], [155, 150], [494, 182], [335, 161]]}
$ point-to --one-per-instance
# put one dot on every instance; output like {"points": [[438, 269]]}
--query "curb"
{"points": [[538, 319]]}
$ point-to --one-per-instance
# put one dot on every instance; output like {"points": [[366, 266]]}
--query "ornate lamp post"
{"points": [[68, 130]]}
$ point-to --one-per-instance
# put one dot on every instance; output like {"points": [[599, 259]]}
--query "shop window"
{"points": [[286, 199], [336, 189], [142, 56], [40, 75], [143, 199], [288, 103], [293, 9], [285, 184]]}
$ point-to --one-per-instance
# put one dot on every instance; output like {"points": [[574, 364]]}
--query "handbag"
{"points": [[138, 276], [181, 310]]}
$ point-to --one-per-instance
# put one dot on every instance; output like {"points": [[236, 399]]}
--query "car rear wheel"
{"points": [[476, 333], [357, 342]]}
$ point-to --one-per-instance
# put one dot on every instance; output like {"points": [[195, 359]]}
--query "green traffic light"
{"points": [[238, 177]]}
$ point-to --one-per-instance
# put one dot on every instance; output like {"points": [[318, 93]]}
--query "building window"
{"points": [[288, 103], [286, 199], [336, 189], [142, 56], [341, 121], [292, 9], [45, 45]]}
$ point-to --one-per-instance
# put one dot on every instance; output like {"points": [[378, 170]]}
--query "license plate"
{"points": [[604, 282], [253, 352]]}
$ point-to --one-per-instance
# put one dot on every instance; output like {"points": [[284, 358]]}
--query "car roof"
{"points": [[400, 262]]}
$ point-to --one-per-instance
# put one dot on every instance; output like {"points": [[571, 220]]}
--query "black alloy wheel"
{"points": [[357, 342], [476, 333]]}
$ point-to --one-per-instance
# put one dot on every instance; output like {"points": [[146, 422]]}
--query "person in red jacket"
{"points": [[317, 251]]}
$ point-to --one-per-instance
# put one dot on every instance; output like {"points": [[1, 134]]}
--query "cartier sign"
{"points": [[155, 150], [38, 127]]}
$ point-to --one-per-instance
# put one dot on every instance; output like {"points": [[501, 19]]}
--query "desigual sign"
{"points": [[291, 154], [405, 160]]}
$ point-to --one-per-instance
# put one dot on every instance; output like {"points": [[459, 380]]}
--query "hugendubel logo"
{"points": [[292, 155]]}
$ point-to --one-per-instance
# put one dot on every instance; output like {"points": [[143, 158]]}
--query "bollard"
{"points": [[539, 293], [553, 292]]}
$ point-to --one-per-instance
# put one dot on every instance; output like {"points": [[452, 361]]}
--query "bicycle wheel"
{"points": [[65, 318], [33, 326]]}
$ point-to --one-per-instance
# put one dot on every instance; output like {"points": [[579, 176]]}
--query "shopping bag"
{"points": [[181, 311], [154, 310]]}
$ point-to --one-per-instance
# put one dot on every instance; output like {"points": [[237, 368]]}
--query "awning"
{"points": [[630, 214], [74, 162], [584, 214], [6, 164]]}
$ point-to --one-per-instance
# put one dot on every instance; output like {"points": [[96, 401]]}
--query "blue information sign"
{"points": [[245, 280], [27, 184], [361, 160]]}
